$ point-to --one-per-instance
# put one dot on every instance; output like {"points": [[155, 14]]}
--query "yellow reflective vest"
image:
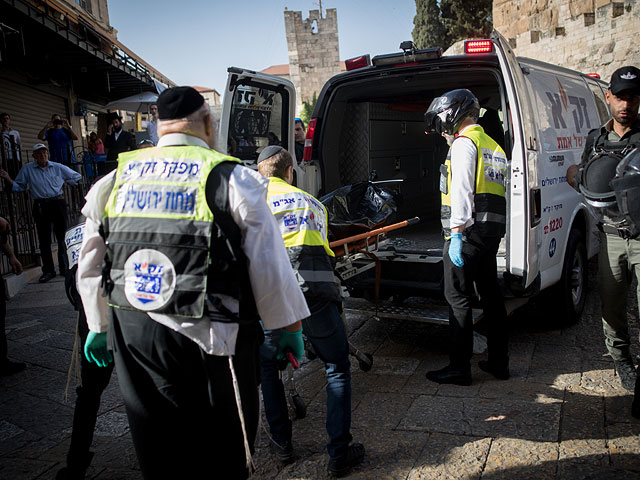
{"points": [[157, 226], [489, 196], [303, 223]]}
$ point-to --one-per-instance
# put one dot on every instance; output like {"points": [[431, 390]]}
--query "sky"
{"points": [[193, 42]]}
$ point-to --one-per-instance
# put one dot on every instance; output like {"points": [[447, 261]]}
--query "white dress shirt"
{"points": [[278, 297], [464, 156]]}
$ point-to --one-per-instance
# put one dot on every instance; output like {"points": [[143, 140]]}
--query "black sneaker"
{"points": [[9, 368], [501, 372], [627, 373], [339, 467], [283, 451], [450, 375], [46, 277]]}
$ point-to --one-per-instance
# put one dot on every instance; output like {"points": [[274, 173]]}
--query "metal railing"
{"points": [[16, 207]]}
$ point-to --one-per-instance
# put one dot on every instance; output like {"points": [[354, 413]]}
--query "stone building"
{"points": [[591, 36], [314, 55], [211, 95]]}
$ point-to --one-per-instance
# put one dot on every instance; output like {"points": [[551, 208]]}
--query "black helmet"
{"points": [[595, 177], [447, 112], [610, 181]]}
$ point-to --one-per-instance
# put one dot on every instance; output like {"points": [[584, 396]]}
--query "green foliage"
{"points": [[429, 30], [307, 109], [464, 19], [444, 22]]}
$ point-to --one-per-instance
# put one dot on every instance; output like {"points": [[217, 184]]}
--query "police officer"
{"points": [[619, 254], [303, 224], [473, 214], [188, 253]]}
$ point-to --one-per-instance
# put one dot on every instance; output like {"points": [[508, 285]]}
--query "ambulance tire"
{"points": [[568, 296]]}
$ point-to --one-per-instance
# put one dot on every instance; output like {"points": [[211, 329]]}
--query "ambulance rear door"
{"points": [[258, 110], [523, 192]]}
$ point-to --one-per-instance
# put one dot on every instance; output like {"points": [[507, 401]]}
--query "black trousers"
{"points": [[3, 332], [180, 401], [94, 381], [479, 254], [47, 213]]}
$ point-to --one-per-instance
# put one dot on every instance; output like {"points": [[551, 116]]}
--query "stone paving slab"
{"points": [[449, 457], [533, 460], [562, 415], [484, 417]]}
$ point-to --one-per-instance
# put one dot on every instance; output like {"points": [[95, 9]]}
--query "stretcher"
{"points": [[347, 251]]}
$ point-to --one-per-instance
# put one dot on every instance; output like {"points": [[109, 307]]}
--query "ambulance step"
{"points": [[416, 311]]}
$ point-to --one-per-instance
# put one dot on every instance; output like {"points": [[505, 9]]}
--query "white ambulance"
{"points": [[368, 123]]}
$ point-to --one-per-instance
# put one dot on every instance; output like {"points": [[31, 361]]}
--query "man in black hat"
{"points": [[619, 256], [182, 240], [116, 141]]}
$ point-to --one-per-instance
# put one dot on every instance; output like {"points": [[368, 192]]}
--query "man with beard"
{"points": [[116, 142], [619, 255]]}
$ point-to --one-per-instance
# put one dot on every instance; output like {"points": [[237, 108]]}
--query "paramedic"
{"points": [[303, 223], [189, 254], [473, 214]]}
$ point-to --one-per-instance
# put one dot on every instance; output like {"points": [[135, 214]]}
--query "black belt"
{"points": [[610, 229], [50, 199]]}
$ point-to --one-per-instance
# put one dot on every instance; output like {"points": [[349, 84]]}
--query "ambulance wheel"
{"points": [[570, 293]]}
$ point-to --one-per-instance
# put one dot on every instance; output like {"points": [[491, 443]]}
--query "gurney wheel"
{"points": [[365, 363], [299, 406]]}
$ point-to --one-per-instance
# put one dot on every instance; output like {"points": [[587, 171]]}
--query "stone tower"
{"points": [[313, 51], [596, 36]]}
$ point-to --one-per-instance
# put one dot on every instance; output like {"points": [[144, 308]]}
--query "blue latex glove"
{"points": [[292, 341], [455, 249], [95, 349]]}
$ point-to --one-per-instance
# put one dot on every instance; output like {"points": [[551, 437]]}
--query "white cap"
{"points": [[39, 146]]}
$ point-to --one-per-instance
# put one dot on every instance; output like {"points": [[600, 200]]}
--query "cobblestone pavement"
{"points": [[562, 415]]}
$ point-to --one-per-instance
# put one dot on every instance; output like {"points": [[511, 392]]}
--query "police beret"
{"points": [[178, 102], [269, 152]]}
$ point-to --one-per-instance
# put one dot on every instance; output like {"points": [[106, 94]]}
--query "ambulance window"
{"points": [[256, 121], [601, 103]]}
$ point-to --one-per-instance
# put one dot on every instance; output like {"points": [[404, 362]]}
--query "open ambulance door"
{"points": [[523, 194], [258, 110]]}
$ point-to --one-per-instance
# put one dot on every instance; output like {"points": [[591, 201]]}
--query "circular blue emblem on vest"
{"points": [[149, 279]]}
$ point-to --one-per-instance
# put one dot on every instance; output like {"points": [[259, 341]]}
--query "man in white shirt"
{"points": [[11, 143], [473, 215], [192, 256], [152, 125]]}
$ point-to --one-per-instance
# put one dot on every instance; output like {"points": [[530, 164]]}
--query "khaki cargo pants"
{"points": [[617, 261]]}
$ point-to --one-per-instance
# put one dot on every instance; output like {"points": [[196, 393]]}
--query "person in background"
{"points": [[273, 139], [152, 125], [299, 134], [45, 179], [11, 142], [60, 136], [95, 144], [304, 230], [7, 367], [473, 216], [117, 141], [188, 279]]}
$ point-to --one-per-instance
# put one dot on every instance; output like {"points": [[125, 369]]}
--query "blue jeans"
{"points": [[327, 335]]}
